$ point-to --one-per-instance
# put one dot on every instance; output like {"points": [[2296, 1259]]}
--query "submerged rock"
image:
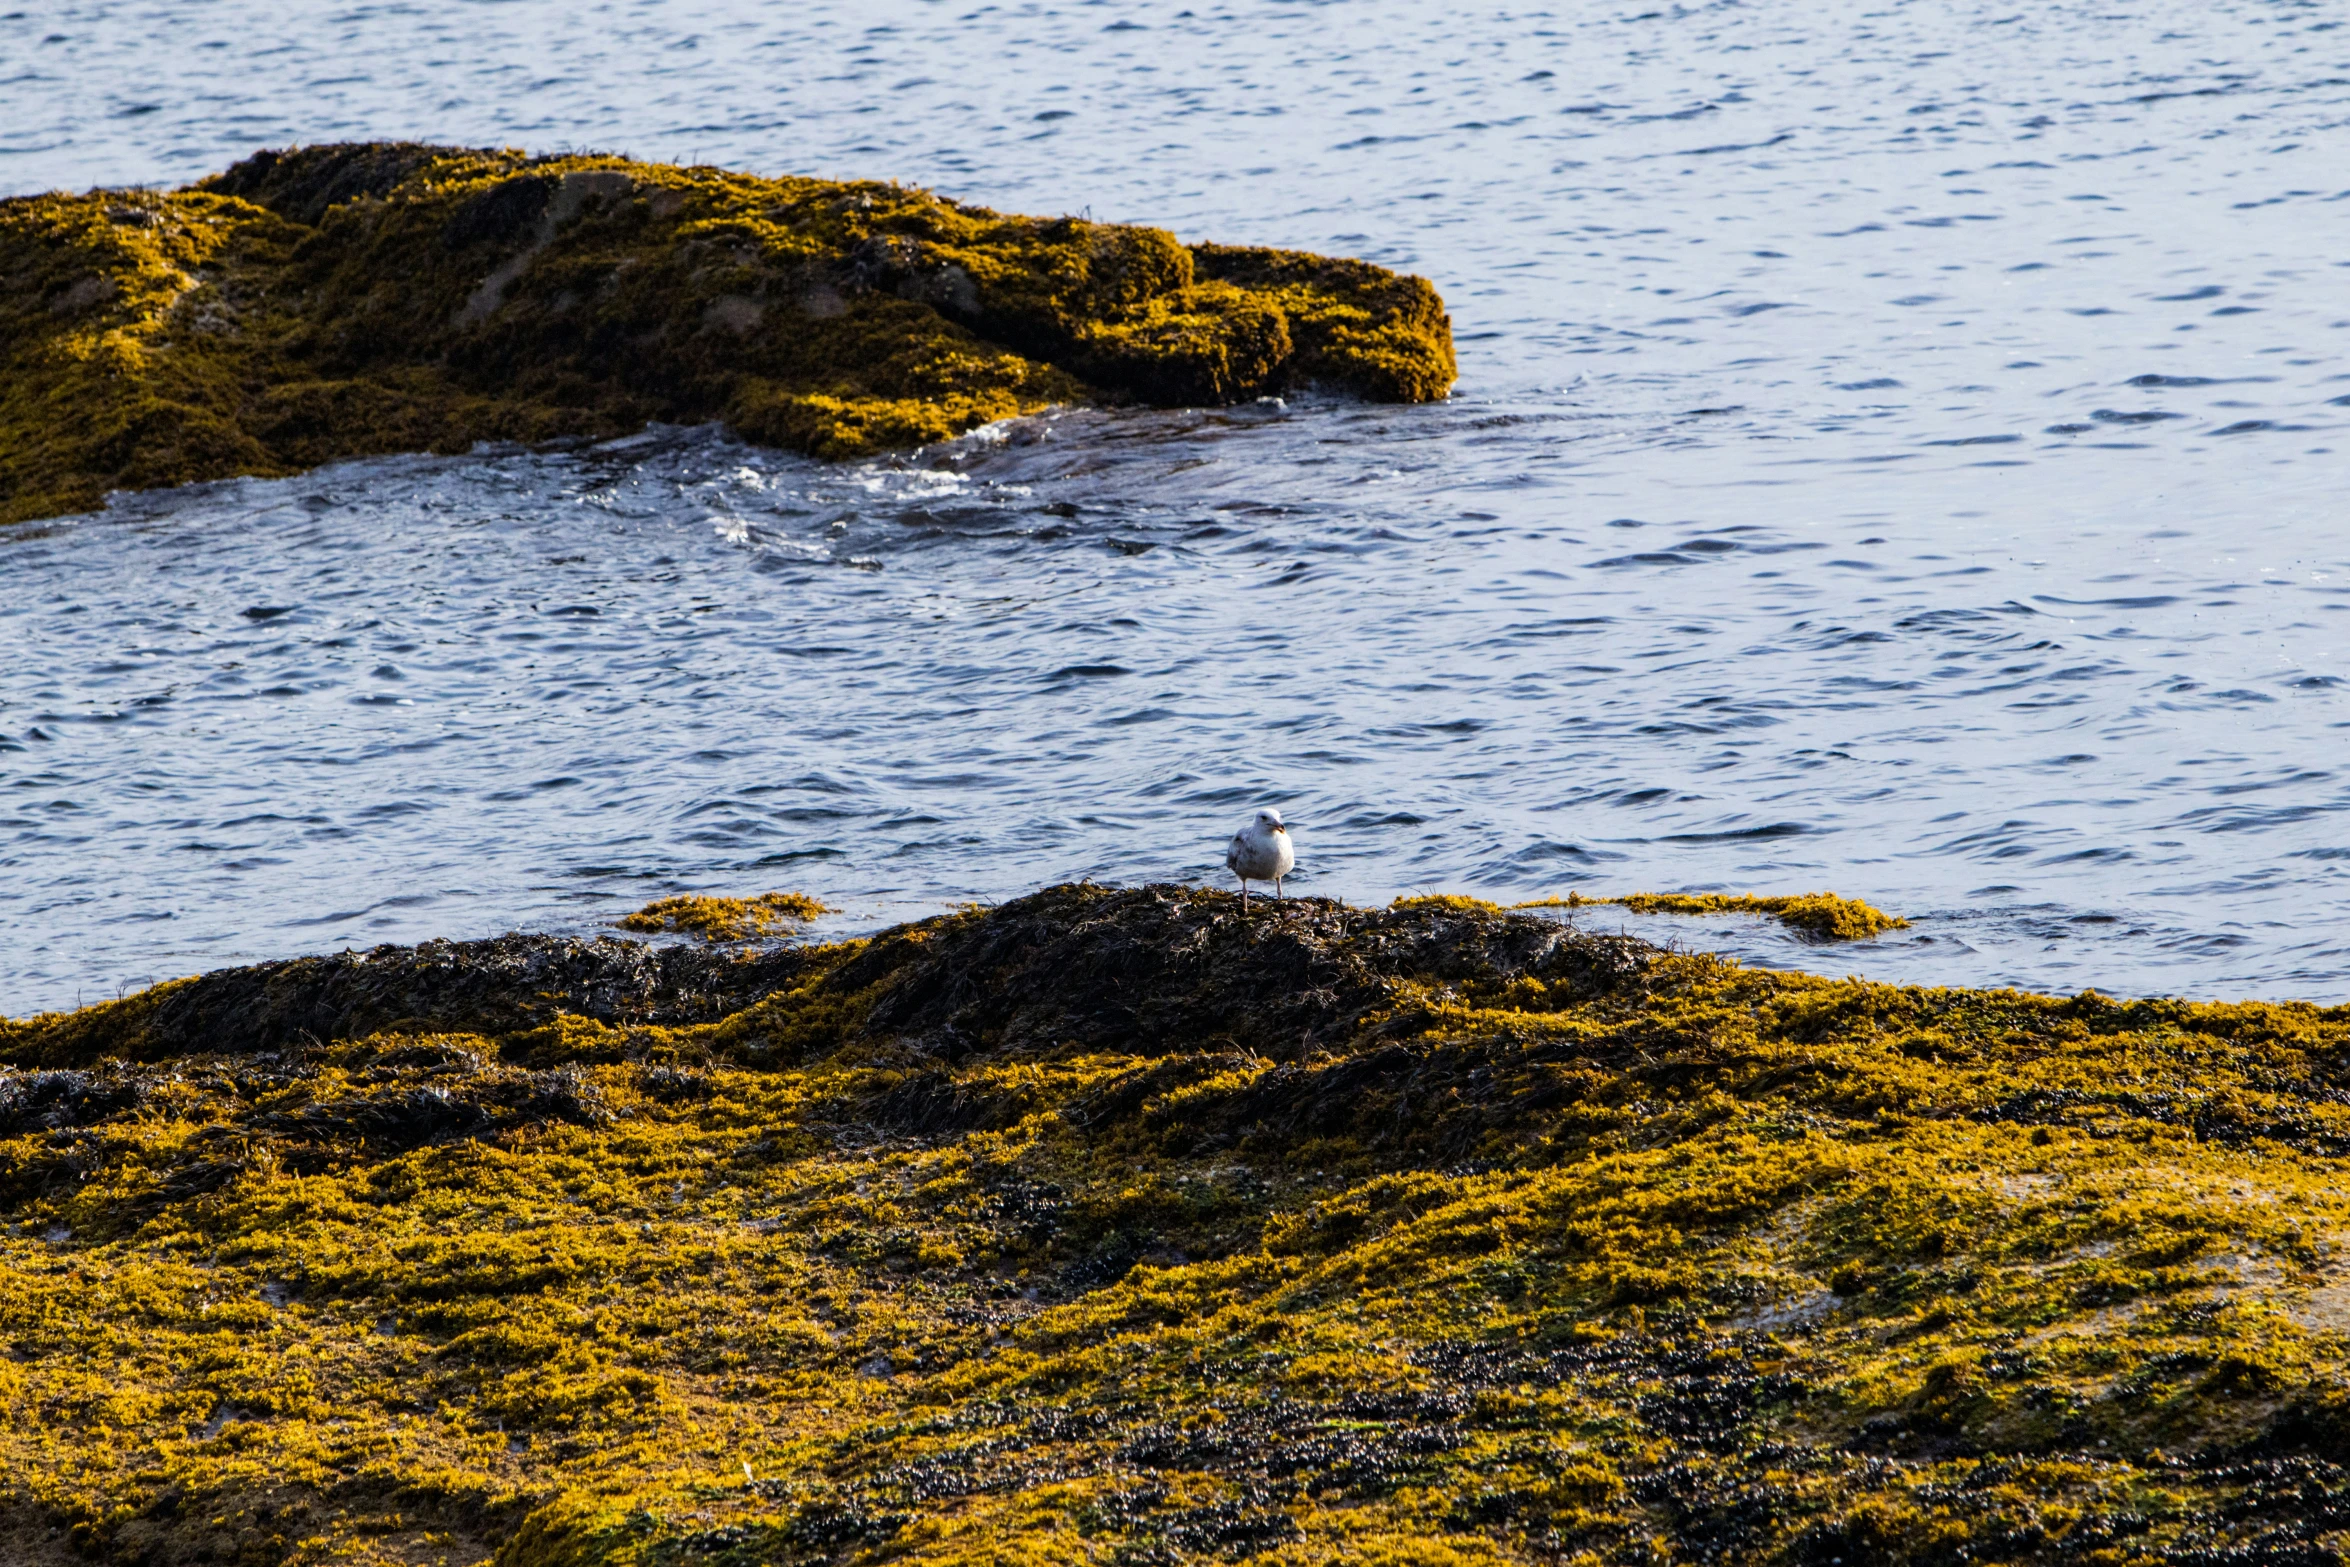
{"points": [[1119, 1225], [347, 300]]}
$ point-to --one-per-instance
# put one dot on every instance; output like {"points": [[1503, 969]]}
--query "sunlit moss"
{"points": [[1447, 902], [1823, 916], [349, 300], [726, 919], [1113, 1225]]}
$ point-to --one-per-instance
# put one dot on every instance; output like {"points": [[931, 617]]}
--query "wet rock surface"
{"points": [[1117, 1224], [1075, 969]]}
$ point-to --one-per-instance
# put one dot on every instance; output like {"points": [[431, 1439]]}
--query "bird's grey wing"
{"points": [[1232, 853]]}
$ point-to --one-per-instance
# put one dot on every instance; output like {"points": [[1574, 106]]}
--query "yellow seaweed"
{"points": [[1823, 916], [725, 919], [1124, 1226]]}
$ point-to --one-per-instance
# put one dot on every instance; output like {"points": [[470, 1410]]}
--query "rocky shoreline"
{"points": [[1118, 1225], [356, 299]]}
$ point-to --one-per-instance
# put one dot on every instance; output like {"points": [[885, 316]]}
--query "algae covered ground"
{"points": [[354, 299], [1119, 1226]]}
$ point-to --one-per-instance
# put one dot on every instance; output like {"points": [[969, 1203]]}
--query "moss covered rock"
{"points": [[1122, 1226], [341, 301]]}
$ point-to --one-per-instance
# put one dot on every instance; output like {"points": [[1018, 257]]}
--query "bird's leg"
{"points": [[1276, 889], [1244, 894]]}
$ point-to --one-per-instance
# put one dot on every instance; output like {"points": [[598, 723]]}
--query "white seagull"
{"points": [[1261, 851]]}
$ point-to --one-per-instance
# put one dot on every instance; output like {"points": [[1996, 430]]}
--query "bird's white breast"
{"points": [[1260, 855]]}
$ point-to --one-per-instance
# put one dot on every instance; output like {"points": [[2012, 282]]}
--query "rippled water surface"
{"points": [[1896, 451]]}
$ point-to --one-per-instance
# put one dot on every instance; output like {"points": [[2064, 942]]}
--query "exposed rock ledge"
{"points": [[355, 299]]}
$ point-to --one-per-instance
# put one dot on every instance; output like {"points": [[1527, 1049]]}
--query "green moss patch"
{"points": [[348, 300], [1124, 1226]]}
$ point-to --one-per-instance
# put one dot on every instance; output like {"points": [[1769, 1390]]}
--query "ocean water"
{"points": [[1897, 450]]}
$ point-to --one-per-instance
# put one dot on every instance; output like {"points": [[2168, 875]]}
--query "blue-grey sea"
{"points": [[1897, 450]]}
